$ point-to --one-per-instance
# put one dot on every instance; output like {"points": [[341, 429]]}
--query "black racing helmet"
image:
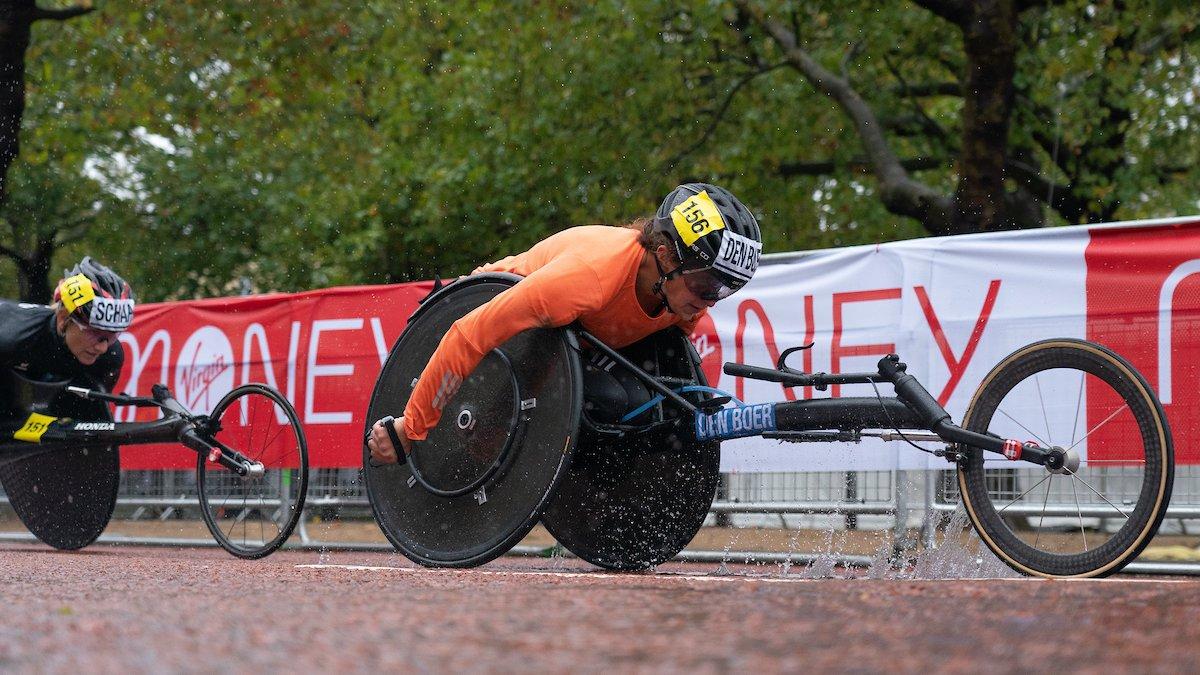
{"points": [[96, 296], [712, 232]]}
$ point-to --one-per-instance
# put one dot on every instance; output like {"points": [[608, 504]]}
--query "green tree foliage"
{"points": [[206, 148], [1092, 91]]}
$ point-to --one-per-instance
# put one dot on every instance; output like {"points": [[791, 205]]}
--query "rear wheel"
{"points": [[66, 497], [1096, 514], [252, 516]]}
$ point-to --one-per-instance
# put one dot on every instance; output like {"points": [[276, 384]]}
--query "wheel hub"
{"points": [[1062, 461]]}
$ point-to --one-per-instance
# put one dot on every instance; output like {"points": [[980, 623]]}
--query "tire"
{"points": [[66, 497], [635, 503], [511, 428], [253, 517], [1085, 523]]}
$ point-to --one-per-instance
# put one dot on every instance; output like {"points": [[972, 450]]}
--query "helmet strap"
{"points": [[664, 277]]}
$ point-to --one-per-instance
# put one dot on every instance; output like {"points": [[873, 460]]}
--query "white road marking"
{"points": [[607, 576], [612, 576]]}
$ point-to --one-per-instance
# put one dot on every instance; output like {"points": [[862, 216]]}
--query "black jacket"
{"points": [[30, 345]]}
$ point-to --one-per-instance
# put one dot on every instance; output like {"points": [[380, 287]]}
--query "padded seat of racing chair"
{"points": [[25, 395]]}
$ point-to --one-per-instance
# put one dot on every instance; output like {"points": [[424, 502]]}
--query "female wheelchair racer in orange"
{"points": [[621, 283]]}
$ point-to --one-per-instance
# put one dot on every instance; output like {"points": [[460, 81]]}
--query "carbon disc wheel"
{"points": [[634, 503], [483, 475], [1094, 515], [66, 497]]}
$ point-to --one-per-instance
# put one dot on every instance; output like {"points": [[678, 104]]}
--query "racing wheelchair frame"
{"points": [[622, 468], [60, 465]]}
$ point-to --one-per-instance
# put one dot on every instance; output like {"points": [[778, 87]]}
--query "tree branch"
{"points": [[69, 235], [9, 253], [1066, 153], [927, 122], [927, 89], [1023, 5], [821, 168], [848, 58], [63, 14], [953, 11], [1061, 198], [913, 125], [719, 116], [900, 194]]}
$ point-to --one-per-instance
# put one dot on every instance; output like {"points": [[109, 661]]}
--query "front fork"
{"points": [[937, 420], [201, 437]]}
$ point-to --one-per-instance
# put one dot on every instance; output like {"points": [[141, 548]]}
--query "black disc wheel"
{"points": [[632, 503], [251, 516], [1096, 513], [483, 475], [66, 497]]}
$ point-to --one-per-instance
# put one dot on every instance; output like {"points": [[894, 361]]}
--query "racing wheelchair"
{"points": [[617, 452], [59, 461]]}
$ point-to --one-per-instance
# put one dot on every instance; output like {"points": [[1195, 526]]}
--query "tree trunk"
{"points": [[16, 17], [33, 277], [16, 20], [990, 43]]}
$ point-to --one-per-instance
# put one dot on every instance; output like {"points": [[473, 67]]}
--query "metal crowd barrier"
{"points": [[904, 502]]}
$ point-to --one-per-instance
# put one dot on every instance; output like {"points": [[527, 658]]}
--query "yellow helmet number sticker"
{"points": [[696, 217], [33, 428], [76, 292]]}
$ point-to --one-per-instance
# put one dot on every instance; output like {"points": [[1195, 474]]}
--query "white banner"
{"points": [[952, 307]]}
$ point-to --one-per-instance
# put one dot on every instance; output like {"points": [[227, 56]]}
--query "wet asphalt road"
{"points": [[128, 609]]}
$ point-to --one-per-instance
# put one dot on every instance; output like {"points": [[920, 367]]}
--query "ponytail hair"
{"points": [[648, 238]]}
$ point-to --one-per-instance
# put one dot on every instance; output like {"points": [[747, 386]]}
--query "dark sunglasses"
{"points": [[708, 286]]}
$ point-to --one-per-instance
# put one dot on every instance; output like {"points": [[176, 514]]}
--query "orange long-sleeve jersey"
{"points": [[586, 274]]}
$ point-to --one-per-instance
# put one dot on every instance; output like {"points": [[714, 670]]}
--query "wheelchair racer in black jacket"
{"points": [[74, 339]]}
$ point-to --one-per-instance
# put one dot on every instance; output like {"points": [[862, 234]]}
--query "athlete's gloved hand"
{"points": [[388, 442]]}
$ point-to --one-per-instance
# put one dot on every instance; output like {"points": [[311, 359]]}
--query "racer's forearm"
{"points": [[449, 365], [552, 296]]}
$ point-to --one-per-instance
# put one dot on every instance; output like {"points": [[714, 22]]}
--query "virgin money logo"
{"points": [[708, 346], [204, 371]]}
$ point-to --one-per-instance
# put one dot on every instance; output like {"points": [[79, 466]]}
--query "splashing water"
{"points": [[723, 568], [557, 557], [825, 565], [883, 562], [960, 555]]}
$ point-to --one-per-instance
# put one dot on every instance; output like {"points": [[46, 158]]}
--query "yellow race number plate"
{"points": [[33, 428]]}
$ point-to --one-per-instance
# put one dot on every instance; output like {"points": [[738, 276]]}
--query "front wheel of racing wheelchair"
{"points": [[536, 433], [1100, 509], [61, 471]]}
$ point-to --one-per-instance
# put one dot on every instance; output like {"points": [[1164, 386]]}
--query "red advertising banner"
{"points": [[321, 349], [1143, 301], [951, 306]]}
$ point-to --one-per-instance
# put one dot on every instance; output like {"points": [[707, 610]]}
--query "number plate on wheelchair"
{"points": [[749, 420], [33, 428]]}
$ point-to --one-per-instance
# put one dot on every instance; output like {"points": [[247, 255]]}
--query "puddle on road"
{"points": [[809, 554], [959, 554]]}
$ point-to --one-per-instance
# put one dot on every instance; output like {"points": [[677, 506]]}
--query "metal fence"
{"points": [[908, 506]]}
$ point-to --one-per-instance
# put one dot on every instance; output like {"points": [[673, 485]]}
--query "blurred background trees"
{"points": [[221, 147]]}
